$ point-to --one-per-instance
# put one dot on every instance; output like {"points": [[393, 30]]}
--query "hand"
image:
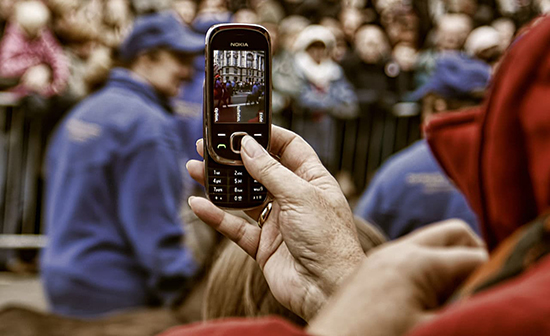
{"points": [[401, 284], [37, 78], [309, 242]]}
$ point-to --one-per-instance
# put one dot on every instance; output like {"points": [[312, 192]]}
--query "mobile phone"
{"points": [[237, 101]]}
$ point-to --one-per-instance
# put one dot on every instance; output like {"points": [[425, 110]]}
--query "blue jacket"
{"points": [[409, 191], [114, 188]]}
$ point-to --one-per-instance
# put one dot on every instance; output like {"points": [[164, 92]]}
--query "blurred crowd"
{"points": [[332, 61], [354, 56]]}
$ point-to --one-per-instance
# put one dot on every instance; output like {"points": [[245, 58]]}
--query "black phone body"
{"points": [[237, 102]]}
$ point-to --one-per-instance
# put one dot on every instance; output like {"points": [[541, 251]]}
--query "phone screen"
{"points": [[239, 87]]}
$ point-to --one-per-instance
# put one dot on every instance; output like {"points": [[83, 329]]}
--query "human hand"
{"points": [[37, 78], [308, 243], [401, 284]]}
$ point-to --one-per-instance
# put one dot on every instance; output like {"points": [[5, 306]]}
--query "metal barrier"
{"points": [[20, 153], [364, 143]]}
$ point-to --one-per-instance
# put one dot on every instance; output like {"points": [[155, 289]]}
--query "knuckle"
{"points": [[268, 168]]}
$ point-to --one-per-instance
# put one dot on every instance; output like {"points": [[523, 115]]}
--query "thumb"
{"points": [[279, 180]]}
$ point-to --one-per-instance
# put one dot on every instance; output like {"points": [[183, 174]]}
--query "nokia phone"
{"points": [[237, 102]]}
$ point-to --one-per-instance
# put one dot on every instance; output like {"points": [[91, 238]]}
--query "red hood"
{"points": [[499, 154]]}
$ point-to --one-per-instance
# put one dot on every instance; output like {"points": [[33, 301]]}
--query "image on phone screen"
{"points": [[239, 86]]}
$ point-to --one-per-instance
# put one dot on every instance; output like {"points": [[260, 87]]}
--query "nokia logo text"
{"points": [[238, 44]]}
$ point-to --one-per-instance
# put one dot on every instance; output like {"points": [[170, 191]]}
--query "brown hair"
{"points": [[236, 287]]}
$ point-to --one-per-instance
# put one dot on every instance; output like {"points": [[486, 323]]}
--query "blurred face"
{"points": [[351, 20], [317, 51], [6, 8], [116, 12], [371, 45], [405, 56], [452, 34], [166, 71], [186, 9], [245, 16]]}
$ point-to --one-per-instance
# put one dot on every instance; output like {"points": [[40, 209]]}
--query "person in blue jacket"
{"points": [[114, 183], [410, 190]]}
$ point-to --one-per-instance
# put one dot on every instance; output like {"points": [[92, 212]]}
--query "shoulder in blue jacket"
{"points": [[409, 191]]}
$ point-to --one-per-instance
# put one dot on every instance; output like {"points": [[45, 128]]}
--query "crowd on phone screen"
{"points": [[332, 60]]}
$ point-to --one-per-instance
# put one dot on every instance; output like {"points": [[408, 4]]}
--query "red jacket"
{"points": [[499, 156]]}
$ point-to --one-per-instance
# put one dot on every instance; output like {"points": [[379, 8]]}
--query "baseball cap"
{"points": [[456, 76], [160, 30]]}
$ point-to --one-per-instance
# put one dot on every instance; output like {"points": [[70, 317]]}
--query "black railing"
{"points": [[20, 166]]}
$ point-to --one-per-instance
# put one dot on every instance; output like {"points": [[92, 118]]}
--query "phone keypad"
{"points": [[233, 186]]}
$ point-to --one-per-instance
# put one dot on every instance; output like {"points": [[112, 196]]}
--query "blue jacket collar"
{"points": [[124, 78]]}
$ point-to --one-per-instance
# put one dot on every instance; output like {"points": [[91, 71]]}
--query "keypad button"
{"points": [[216, 172], [238, 172], [238, 190], [237, 198], [237, 181], [218, 189], [219, 198], [259, 197], [218, 180], [258, 189]]}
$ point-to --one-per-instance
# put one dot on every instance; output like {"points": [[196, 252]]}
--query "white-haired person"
{"points": [[324, 94]]}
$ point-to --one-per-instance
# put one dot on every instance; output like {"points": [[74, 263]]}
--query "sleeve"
{"points": [[339, 100], [517, 307], [14, 61], [149, 194], [266, 326], [56, 59]]}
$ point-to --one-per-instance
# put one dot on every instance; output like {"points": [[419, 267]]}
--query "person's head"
{"points": [[506, 29], [289, 29], [116, 13], [164, 69], [452, 31], [405, 55], [351, 19], [458, 81], [186, 9], [371, 44], [32, 17], [161, 50], [6, 8], [236, 287], [245, 16], [317, 41], [484, 43]]}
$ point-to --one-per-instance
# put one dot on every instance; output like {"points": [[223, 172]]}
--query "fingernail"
{"points": [[197, 143], [189, 201], [251, 147]]}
